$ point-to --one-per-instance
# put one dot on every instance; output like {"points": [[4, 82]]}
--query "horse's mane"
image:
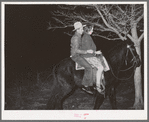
{"points": [[116, 55], [118, 47]]}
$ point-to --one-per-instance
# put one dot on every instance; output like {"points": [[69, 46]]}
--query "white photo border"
{"points": [[70, 114]]}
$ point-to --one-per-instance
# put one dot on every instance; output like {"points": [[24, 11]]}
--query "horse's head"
{"points": [[132, 57]]}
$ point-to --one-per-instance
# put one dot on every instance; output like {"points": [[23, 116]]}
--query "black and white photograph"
{"points": [[74, 60]]}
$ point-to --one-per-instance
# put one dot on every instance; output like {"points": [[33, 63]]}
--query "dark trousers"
{"points": [[88, 71]]}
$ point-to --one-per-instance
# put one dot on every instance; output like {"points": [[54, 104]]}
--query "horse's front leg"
{"points": [[98, 100], [112, 97]]}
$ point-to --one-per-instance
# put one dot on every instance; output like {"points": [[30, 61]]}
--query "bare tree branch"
{"points": [[120, 9], [117, 30], [139, 18], [132, 39], [66, 7], [141, 37], [139, 8], [105, 20], [110, 18], [106, 37]]}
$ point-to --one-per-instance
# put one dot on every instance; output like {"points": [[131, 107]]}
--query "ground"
{"points": [[81, 101], [34, 98]]}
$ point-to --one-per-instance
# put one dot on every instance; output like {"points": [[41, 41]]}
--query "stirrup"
{"points": [[101, 91]]}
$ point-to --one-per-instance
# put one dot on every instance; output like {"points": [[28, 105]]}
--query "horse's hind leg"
{"points": [[57, 97], [112, 97], [54, 103], [60, 89], [98, 101]]}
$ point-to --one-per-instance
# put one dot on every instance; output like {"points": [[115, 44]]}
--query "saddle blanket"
{"points": [[95, 62]]}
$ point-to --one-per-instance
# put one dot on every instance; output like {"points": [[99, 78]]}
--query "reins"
{"points": [[133, 66], [121, 78], [131, 60]]}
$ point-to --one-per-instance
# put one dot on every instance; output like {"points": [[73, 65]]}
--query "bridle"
{"points": [[134, 65], [134, 58]]}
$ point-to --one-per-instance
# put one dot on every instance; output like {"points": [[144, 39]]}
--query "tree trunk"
{"points": [[138, 104]]}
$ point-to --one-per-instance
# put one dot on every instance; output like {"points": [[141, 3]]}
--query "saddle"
{"points": [[103, 62], [79, 67]]}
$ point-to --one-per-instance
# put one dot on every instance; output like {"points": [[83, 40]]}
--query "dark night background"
{"points": [[29, 45], [28, 42]]}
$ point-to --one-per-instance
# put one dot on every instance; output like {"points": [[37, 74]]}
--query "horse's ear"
{"points": [[129, 42]]}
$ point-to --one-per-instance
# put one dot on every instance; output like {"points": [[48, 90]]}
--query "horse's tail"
{"points": [[61, 86], [54, 74], [54, 92]]}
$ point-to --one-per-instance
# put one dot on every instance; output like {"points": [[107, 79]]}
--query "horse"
{"points": [[66, 78]]}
